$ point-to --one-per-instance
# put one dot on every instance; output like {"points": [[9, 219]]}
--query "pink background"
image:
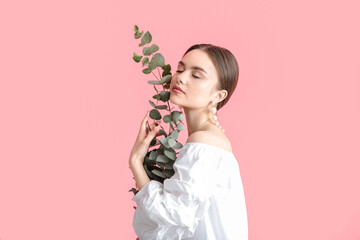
{"points": [[72, 99]]}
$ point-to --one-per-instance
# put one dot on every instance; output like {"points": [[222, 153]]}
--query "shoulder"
{"points": [[210, 138]]}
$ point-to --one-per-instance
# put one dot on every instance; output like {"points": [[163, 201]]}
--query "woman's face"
{"points": [[197, 77]]}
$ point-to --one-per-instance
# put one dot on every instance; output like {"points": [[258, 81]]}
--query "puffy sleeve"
{"points": [[172, 210]]}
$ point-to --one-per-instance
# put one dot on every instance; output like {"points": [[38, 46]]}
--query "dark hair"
{"points": [[226, 66]]}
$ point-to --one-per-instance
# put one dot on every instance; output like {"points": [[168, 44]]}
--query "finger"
{"points": [[143, 127], [152, 134]]}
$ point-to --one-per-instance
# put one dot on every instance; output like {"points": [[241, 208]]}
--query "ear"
{"points": [[221, 95]]}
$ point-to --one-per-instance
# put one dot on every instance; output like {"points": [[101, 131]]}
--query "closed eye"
{"points": [[193, 74]]}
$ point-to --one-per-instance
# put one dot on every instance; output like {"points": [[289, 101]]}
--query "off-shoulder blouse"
{"points": [[203, 200]]}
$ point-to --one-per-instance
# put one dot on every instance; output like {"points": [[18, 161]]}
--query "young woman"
{"points": [[204, 199]]}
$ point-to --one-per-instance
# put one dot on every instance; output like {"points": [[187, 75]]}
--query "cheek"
{"points": [[199, 92]]}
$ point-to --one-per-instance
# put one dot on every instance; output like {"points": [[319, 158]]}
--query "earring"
{"points": [[213, 111]]}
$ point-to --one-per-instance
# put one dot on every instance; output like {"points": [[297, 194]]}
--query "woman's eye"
{"points": [[179, 71]]}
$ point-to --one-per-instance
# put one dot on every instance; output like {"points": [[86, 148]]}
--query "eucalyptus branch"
{"points": [[158, 163]]}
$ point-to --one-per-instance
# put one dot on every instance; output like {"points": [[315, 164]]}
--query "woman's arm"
{"points": [[139, 173], [140, 149]]}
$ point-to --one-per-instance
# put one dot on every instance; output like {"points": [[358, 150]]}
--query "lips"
{"points": [[178, 88]]}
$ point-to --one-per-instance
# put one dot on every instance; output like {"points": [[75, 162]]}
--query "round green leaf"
{"points": [[155, 114], [137, 58], [164, 141], [176, 115], [147, 51], [138, 35], [181, 118], [147, 70], [171, 142], [158, 173], [163, 132], [154, 82], [180, 127], [164, 96], [177, 146], [167, 69], [174, 135], [157, 96], [169, 172], [162, 158], [161, 107], [145, 61], [166, 79], [152, 103], [158, 60], [169, 165], [167, 118], [153, 155], [171, 126], [145, 39], [170, 154]]}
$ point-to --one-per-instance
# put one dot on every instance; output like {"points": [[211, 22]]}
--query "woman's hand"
{"points": [[142, 143]]}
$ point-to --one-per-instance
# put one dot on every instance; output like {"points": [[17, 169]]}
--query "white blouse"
{"points": [[203, 200]]}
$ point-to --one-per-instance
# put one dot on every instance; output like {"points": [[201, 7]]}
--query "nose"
{"points": [[179, 79]]}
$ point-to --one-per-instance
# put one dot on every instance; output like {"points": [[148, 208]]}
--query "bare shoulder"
{"points": [[211, 138]]}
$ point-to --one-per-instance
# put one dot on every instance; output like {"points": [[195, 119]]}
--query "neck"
{"points": [[196, 119]]}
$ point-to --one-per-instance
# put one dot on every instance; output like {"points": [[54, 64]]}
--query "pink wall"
{"points": [[72, 99]]}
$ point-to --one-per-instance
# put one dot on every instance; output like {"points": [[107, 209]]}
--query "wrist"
{"points": [[135, 163]]}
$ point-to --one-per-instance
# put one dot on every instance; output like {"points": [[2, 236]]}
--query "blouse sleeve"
{"points": [[172, 210]]}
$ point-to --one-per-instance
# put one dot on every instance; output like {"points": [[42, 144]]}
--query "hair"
{"points": [[226, 65]]}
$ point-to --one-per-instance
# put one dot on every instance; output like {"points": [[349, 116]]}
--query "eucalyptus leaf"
{"points": [[170, 154], [155, 114], [135, 191], [181, 118], [158, 60], [137, 58], [158, 173], [167, 70], [145, 39], [152, 103], [147, 51], [166, 79], [161, 107], [169, 172], [164, 96], [153, 155], [167, 118], [153, 142], [138, 35], [176, 115], [163, 132], [147, 70], [177, 146], [154, 82], [152, 65], [145, 61], [174, 134], [162, 158], [169, 165], [166, 85], [164, 141], [149, 173], [171, 142], [149, 162], [157, 96], [180, 127], [171, 126]]}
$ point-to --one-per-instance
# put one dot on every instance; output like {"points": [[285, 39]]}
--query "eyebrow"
{"points": [[194, 67]]}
